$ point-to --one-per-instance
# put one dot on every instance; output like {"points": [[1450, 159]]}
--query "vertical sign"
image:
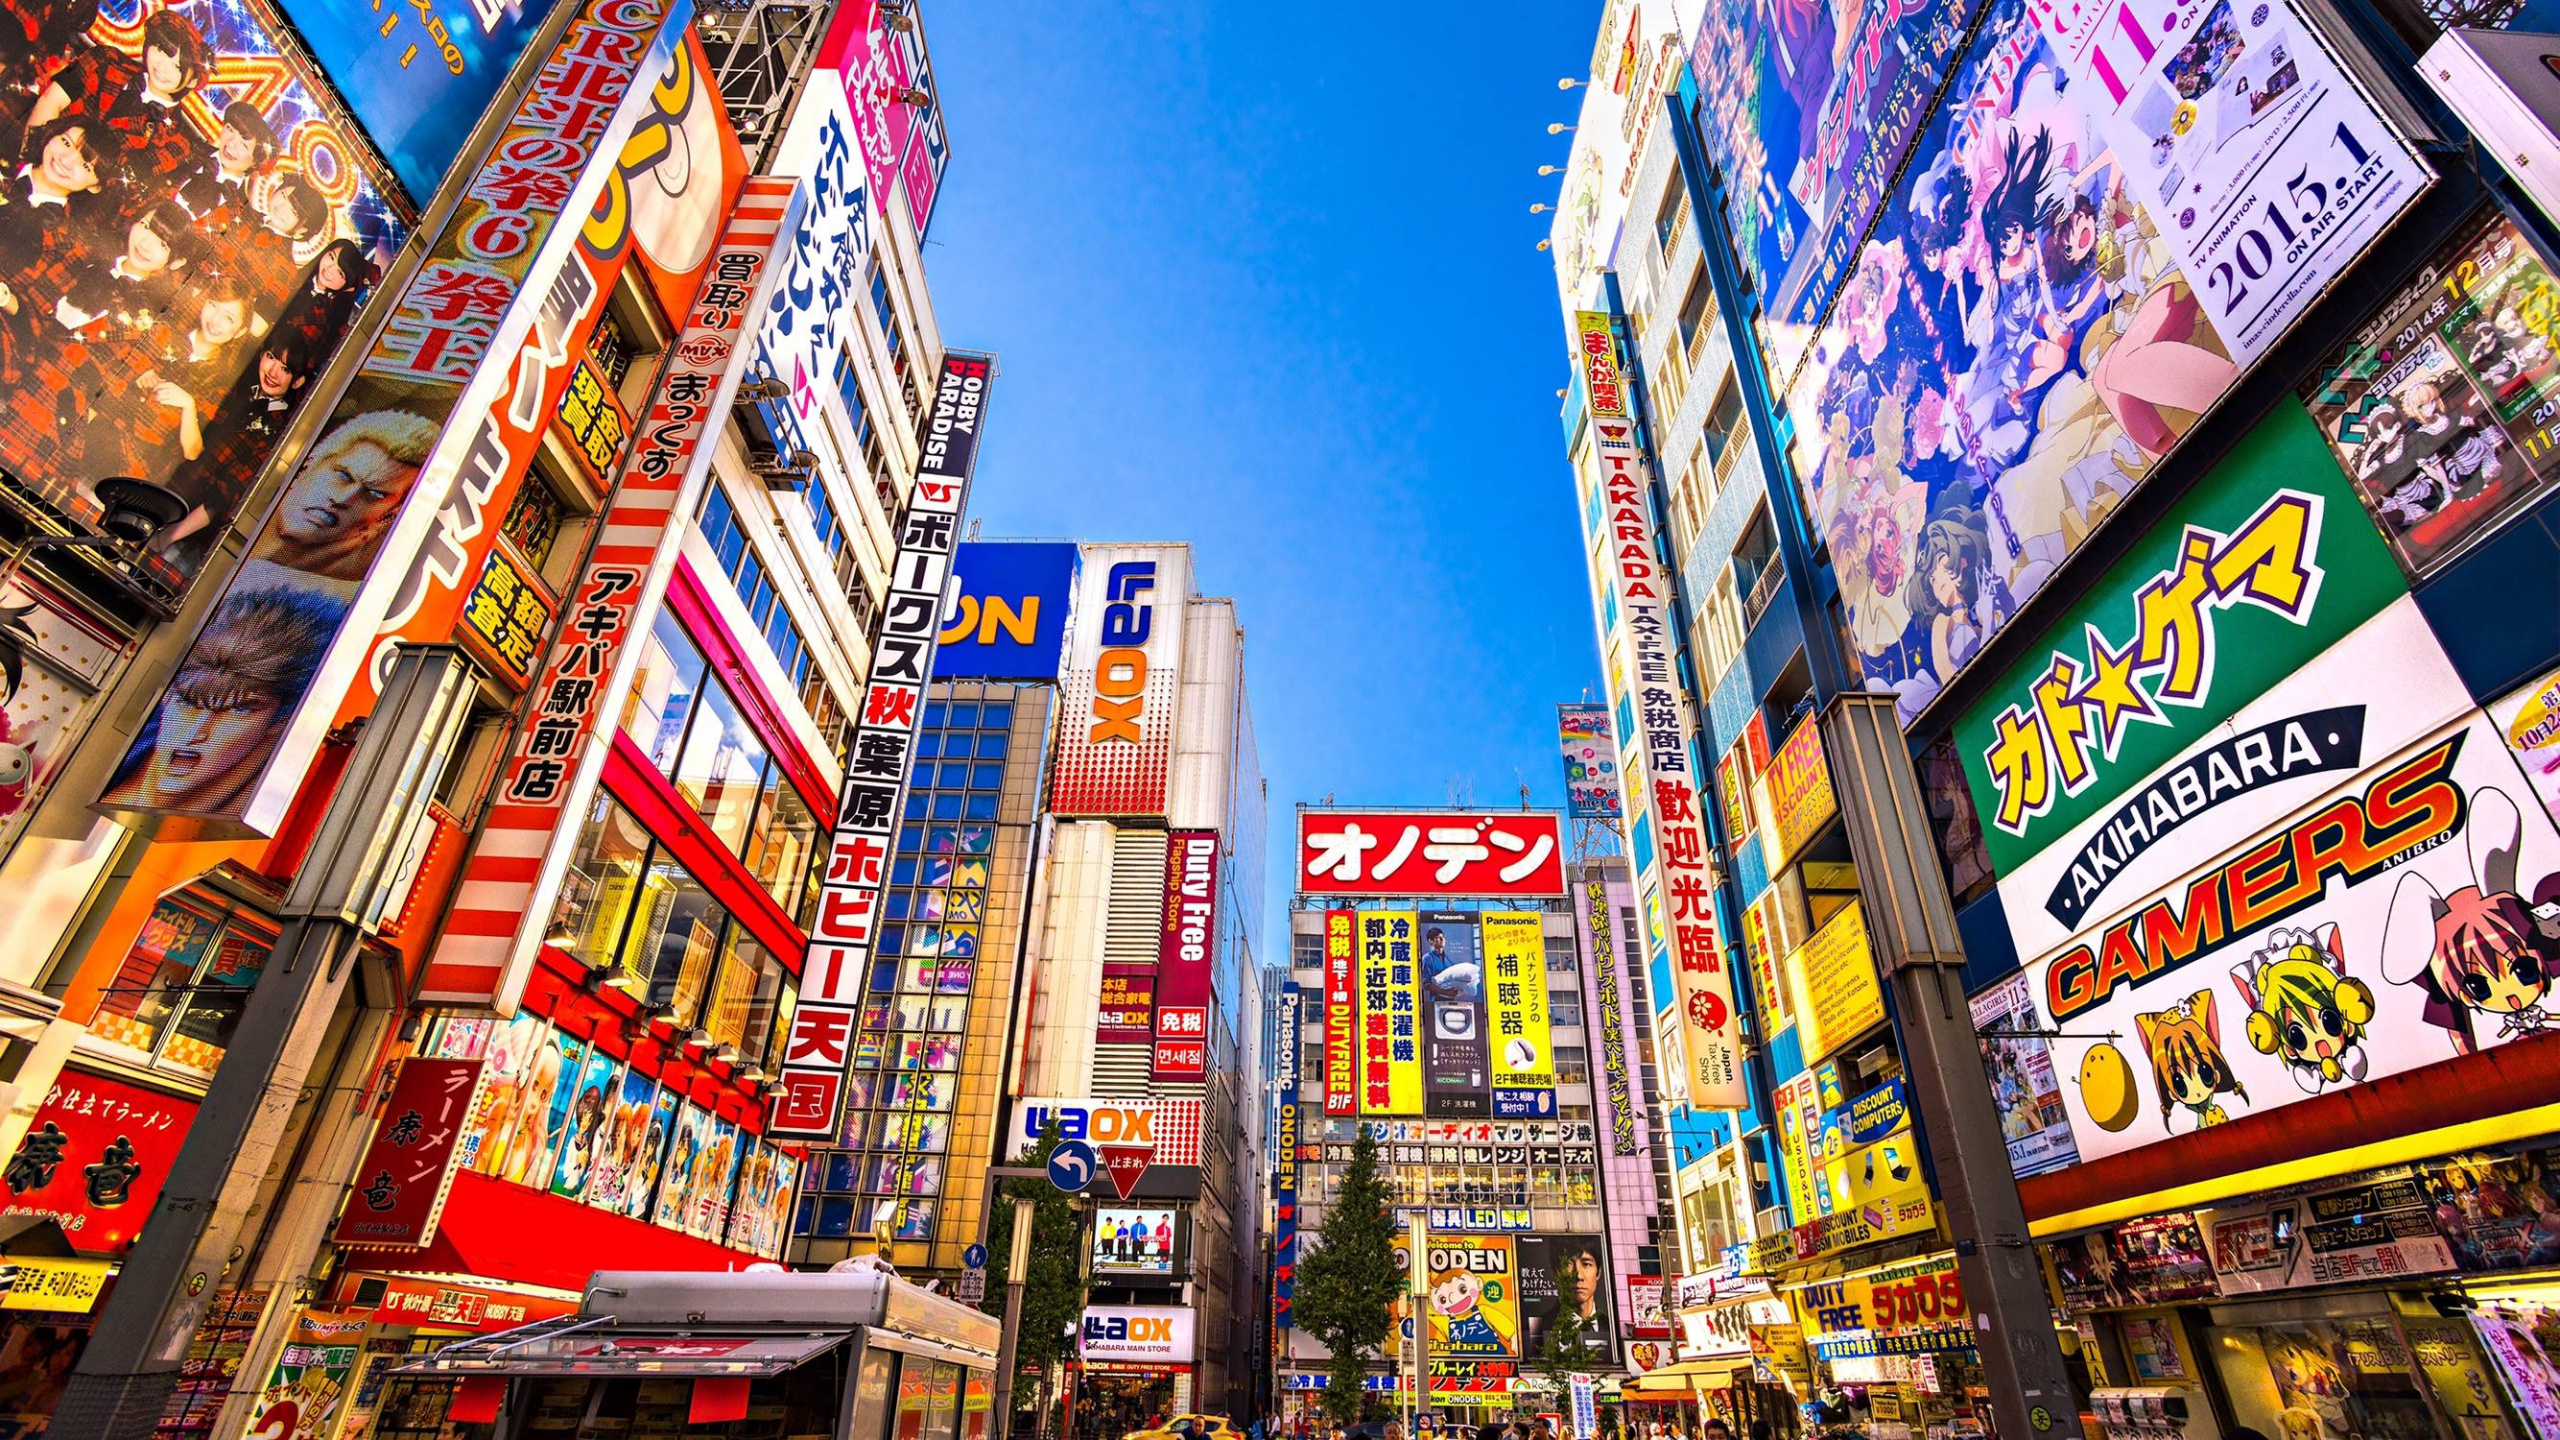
{"points": [[1284, 1241], [1186, 954], [1590, 750], [401, 1182], [1341, 1014], [1613, 1028], [810, 1094], [1123, 682], [1390, 1038], [1453, 1045], [504, 898], [1677, 881], [1524, 1063]]}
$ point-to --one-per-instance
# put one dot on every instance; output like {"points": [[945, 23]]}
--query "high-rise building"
{"points": [[1971, 447]]}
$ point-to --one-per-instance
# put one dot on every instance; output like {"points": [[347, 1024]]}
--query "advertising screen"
{"points": [[1430, 853], [1123, 682], [1007, 615], [2440, 407], [1134, 1241], [1453, 1003], [2030, 327], [187, 248], [1590, 762], [1389, 1016], [418, 81], [1564, 1286]]}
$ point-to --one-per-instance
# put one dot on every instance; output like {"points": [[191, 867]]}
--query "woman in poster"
{"points": [[48, 223]]}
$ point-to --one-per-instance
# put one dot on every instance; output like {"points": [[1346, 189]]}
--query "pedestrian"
{"points": [[1718, 1430]]}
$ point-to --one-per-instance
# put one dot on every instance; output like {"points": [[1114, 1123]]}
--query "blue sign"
{"points": [[974, 1258], [422, 77], [1007, 619], [1071, 1166]]}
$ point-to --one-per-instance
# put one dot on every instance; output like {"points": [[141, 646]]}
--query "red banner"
{"points": [[1186, 955], [401, 1183], [1393, 853], [95, 1157]]}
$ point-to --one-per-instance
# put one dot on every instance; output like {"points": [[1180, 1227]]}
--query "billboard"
{"points": [[1341, 1014], [94, 1158], [1474, 1301], [55, 658], [1564, 1286], [483, 953], [1640, 60], [1453, 1004], [1832, 985], [1806, 111], [2029, 329], [1430, 853], [1007, 615], [417, 434], [190, 246], [810, 1093], [1389, 1029], [804, 331], [2440, 406], [897, 114], [1136, 1241], [1123, 682], [1794, 796], [418, 83], [2017, 1060], [1160, 1334], [1590, 763], [2386, 924], [1128, 1012], [2529, 716], [1187, 954], [1669, 840], [1169, 1124], [2238, 586], [1519, 1035], [1286, 1137]]}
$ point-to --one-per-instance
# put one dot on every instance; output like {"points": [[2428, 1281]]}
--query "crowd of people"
{"points": [[170, 277]]}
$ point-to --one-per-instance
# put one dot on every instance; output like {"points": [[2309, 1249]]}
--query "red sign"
{"points": [[1128, 1013], [400, 1184], [1124, 1164], [1430, 853], [94, 1159], [453, 1307], [1341, 1015], [1186, 954]]}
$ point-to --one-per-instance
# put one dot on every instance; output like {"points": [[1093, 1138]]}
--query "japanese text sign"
{"points": [[1515, 997], [810, 1096], [507, 612], [1390, 1015], [1430, 853], [1187, 954], [1341, 1013], [401, 1182], [1613, 1024], [94, 1158]]}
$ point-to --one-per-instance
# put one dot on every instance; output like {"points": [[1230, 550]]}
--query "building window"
{"points": [[1697, 308], [1727, 435], [755, 589], [1668, 217], [1573, 1065], [532, 522], [1564, 1007], [1756, 571], [179, 995]]}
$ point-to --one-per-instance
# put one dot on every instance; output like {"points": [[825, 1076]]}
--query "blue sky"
{"points": [[1266, 280]]}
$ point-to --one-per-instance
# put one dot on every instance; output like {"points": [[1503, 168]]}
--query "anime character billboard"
{"points": [[1806, 107]]}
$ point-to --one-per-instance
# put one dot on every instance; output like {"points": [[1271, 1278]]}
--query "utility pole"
{"points": [[1913, 922], [1017, 1274]]}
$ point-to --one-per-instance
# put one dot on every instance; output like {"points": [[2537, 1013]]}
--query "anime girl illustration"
{"points": [[2483, 952], [2187, 1063], [2304, 1009]]}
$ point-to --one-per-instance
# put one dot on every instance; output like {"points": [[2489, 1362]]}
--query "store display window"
{"points": [[180, 992]]}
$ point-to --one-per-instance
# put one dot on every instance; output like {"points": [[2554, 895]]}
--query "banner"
{"points": [[1284, 1164], [1590, 763], [2029, 329], [2237, 587], [2018, 1063], [1389, 992], [1187, 954], [897, 114], [1454, 1065], [309, 1383], [417, 425], [406, 1170], [809, 1097], [1123, 685], [1564, 1286], [1341, 1014], [1615, 1080], [1670, 844], [1474, 1300], [1128, 1012], [193, 241], [2440, 406], [1833, 987], [1433, 853], [502, 903], [1007, 615], [1521, 1040], [801, 338]]}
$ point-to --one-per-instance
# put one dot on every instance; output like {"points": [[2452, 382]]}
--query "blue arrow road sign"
{"points": [[974, 1258], [1071, 1165]]}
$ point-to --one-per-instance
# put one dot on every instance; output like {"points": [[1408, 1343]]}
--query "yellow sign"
{"points": [[1475, 1296], [1796, 796], [1923, 1295], [1390, 993], [1799, 1111], [1515, 997], [57, 1284], [1869, 1173], [507, 613], [1765, 936], [1832, 980]]}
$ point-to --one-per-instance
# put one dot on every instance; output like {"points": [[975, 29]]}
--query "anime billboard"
{"points": [[181, 253], [1590, 763], [2440, 407], [2022, 338], [1806, 107]]}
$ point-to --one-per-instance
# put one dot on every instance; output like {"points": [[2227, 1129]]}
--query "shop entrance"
{"points": [[1110, 1404]]}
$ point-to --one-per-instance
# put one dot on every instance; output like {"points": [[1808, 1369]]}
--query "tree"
{"points": [[1568, 1351], [1349, 1281], [1053, 1290]]}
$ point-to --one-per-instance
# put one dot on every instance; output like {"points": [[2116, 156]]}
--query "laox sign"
{"points": [[1171, 1125], [1120, 679]]}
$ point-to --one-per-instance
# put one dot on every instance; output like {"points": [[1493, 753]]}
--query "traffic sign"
{"points": [[1071, 1166], [1124, 1164], [973, 1286], [974, 1258]]}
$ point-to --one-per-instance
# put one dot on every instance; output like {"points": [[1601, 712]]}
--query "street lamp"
{"points": [[136, 511], [1559, 128], [1550, 169], [1567, 83], [1540, 209]]}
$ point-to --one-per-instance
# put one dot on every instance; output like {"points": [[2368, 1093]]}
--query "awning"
{"points": [[607, 1353], [531, 1237], [1688, 1375]]}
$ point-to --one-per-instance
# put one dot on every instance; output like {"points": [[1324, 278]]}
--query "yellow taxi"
{"points": [[1190, 1427]]}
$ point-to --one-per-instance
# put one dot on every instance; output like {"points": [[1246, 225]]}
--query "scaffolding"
{"points": [[760, 51]]}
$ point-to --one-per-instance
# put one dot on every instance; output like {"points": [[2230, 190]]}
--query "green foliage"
{"points": [[1566, 1352], [1348, 1280], [1053, 1293]]}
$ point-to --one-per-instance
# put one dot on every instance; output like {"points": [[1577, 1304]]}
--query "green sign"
{"points": [[2263, 565]]}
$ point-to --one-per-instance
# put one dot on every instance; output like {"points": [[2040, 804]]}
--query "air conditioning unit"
{"points": [[782, 471], [1771, 1221]]}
